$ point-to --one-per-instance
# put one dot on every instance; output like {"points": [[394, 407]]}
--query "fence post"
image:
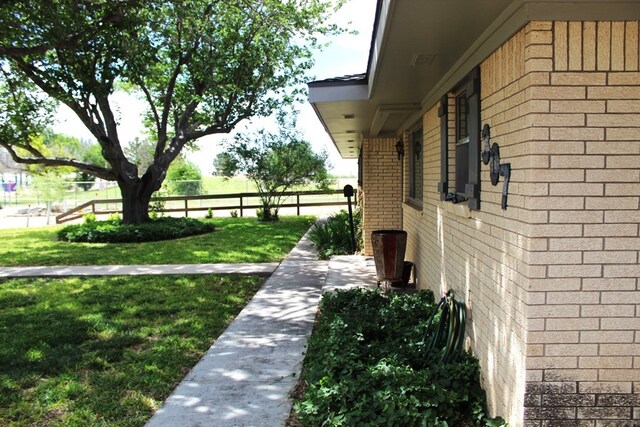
{"points": [[241, 210], [186, 207], [298, 203]]}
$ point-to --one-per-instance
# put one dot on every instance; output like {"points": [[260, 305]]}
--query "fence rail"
{"points": [[215, 202]]}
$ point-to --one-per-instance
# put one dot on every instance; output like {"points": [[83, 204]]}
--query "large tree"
{"points": [[201, 66], [275, 162]]}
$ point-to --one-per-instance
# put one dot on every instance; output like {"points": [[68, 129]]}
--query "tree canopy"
{"points": [[275, 162], [201, 66]]}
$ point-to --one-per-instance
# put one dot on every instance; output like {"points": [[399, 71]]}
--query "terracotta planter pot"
{"points": [[389, 247]]}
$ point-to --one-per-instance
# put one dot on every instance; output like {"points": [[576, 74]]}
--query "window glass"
{"points": [[459, 114], [462, 143]]}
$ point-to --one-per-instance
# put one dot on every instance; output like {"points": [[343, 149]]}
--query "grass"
{"points": [[109, 350], [235, 240], [210, 185]]}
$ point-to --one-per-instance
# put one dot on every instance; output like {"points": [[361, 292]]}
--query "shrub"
{"points": [[267, 214], [156, 206], [89, 217], [114, 232], [367, 364], [333, 237], [234, 213], [114, 217], [184, 178]]}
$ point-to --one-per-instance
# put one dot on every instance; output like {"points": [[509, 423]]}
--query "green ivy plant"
{"points": [[113, 231], [368, 364]]}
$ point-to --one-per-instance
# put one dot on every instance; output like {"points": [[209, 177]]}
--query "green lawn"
{"points": [[235, 240], [109, 350], [210, 185]]}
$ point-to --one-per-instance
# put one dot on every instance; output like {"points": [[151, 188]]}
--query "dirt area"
{"points": [[18, 217]]}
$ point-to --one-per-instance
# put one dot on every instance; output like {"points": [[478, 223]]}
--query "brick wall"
{"points": [[479, 254], [583, 314], [380, 194], [551, 283]]}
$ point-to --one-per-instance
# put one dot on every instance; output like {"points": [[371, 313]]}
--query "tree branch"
{"points": [[152, 106], [83, 113], [98, 171]]}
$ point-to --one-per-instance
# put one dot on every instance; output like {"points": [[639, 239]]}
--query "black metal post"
{"points": [[348, 193]]}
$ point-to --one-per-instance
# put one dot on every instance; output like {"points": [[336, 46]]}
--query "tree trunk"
{"points": [[136, 197]]}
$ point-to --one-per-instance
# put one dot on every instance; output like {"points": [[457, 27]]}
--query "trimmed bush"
{"points": [[333, 237], [112, 231], [367, 364]]}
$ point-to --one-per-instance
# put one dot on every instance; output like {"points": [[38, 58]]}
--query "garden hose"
{"points": [[448, 339]]}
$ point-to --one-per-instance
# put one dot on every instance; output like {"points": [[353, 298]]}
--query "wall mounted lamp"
{"points": [[400, 149], [417, 148]]}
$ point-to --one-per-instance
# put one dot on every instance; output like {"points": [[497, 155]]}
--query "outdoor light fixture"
{"points": [[417, 148], [400, 148]]}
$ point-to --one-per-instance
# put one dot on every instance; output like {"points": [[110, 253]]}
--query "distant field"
{"points": [[240, 184], [210, 185]]}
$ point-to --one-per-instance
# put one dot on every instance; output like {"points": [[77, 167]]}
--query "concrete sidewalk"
{"points": [[246, 376], [263, 269]]}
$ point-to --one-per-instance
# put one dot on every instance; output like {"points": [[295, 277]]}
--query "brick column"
{"points": [[381, 190]]}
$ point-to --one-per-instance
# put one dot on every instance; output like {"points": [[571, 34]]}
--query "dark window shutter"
{"points": [[472, 187], [443, 185]]}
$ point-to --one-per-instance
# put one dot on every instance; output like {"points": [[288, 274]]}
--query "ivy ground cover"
{"points": [[368, 364]]}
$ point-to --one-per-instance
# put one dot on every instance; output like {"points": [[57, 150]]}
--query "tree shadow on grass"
{"points": [[105, 350]]}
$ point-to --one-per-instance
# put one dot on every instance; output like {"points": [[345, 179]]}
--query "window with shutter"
{"points": [[466, 167]]}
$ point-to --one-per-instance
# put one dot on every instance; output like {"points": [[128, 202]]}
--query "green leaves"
{"points": [[274, 161], [201, 67], [333, 237], [114, 232], [365, 365], [184, 178]]}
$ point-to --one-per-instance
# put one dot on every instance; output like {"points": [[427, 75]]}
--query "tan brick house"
{"points": [[552, 281]]}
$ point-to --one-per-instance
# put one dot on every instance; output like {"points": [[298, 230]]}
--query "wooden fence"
{"points": [[191, 204]]}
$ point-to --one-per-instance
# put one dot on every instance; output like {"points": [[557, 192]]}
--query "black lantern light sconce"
{"points": [[491, 157], [417, 148], [400, 149]]}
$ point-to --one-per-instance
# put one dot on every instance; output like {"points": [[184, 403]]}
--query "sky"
{"points": [[347, 54]]}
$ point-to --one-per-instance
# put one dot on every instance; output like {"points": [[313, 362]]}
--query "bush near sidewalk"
{"points": [[367, 364], [333, 237]]}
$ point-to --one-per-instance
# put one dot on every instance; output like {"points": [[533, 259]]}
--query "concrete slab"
{"points": [[264, 269], [350, 271]]}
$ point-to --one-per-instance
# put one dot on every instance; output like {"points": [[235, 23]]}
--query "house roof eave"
{"points": [[418, 53]]}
